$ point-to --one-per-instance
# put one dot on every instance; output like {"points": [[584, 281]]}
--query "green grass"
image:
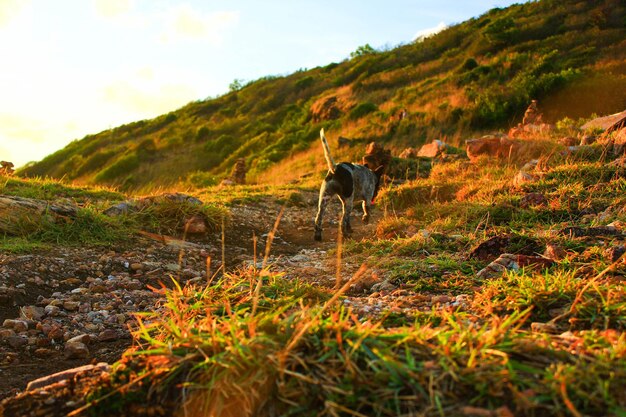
{"points": [[51, 189], [292, 357], [90, 226]]}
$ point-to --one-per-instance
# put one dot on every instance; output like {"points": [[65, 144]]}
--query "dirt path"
{"points": [[49, 297]]}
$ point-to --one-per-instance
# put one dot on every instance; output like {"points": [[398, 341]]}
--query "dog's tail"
{"points": [[329, 159]]}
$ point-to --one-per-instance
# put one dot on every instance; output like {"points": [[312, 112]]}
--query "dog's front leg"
{"points": [[346, 228], [321, 208]]}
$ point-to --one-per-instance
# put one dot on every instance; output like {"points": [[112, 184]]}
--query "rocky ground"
{"points": [[70, 306]]}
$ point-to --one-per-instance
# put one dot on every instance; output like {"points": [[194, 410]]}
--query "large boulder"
{"points": [[19, 215], [432, 149], [492, 146]]}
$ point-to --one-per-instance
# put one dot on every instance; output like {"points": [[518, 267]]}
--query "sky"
{"points": [[69, 68]]}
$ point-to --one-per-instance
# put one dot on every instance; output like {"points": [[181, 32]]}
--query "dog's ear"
{"points": [[379, 171]]}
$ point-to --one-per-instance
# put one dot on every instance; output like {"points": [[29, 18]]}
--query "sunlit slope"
{"points": [[477, 75]]}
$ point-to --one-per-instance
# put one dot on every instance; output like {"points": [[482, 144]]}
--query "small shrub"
{"points": [[469, 64], [304, 83], [121, 167], [362, 110], [202, 133]]}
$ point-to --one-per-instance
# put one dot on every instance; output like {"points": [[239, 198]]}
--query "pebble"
{"points": [[5, 333], [76, 350], [32, 312], [18, 325], [17, 342], [82, 338], [71, 305], [108, 335]]}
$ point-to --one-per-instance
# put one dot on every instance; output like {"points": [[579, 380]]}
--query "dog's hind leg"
{"points": [[346, 228], [367, 208], [324, 198]]}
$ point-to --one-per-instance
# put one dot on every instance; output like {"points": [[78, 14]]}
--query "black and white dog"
{"points": [[350, 182]]}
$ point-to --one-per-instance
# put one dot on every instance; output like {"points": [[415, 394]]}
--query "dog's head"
{"points": [[378, 172]]}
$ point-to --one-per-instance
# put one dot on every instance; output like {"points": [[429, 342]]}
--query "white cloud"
{"points": [[425, 33], [112, 8], [147, 101], [185, 23]]}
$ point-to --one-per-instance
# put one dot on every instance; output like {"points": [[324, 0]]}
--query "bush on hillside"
{"points": [[119, 168], [362, 110]]}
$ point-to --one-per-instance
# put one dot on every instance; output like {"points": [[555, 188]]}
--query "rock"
{"points": [[530, 165], [71, 305], [544, 328], [238, 174], [441, 299], [491, 248], [17, 342], [383, 286], [523, 177], [17, 325], [433, 149], [136, 266], [140, 204], [55, 333], [575, 231], [76, 350], [196, 225], [512, 262], [366, 283], [533, 200], [119, 209], [408, 153], [52, 310], [555, 252], [32, 312], [44, 353], [493, 146], [67, 374], [19, 215], [71, 281], [108, 335], [82, 338], [6, 333]]}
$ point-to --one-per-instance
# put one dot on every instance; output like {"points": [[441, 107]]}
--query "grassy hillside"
{"points": [[474, 76]]}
